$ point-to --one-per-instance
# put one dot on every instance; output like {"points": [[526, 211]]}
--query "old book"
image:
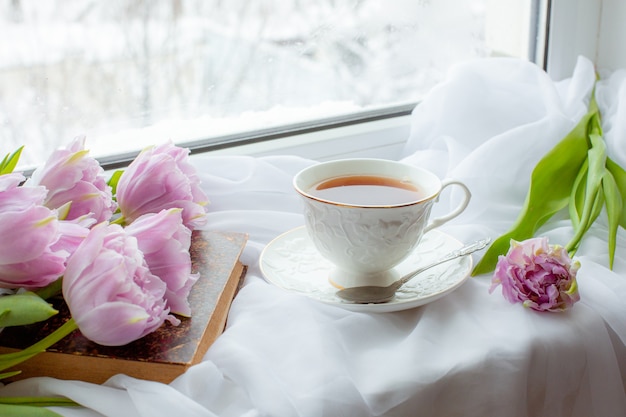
{"points": [[160, 356]]}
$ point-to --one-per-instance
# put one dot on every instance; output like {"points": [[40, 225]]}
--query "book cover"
{"points": [[160, 356]]}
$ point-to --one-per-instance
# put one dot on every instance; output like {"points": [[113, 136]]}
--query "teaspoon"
{"points": [[371, 294]]}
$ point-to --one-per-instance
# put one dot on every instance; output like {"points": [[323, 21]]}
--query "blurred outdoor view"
{"points": [[131, 73]]}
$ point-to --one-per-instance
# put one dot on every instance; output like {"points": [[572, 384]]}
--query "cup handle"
{"points": [[443, 219]]}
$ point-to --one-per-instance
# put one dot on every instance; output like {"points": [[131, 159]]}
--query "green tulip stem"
{"points": [[22, 410], [8, 360], [51, 289], [32, 406]]}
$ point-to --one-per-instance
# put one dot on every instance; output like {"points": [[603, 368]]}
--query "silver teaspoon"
{"points": [[371, 294]]}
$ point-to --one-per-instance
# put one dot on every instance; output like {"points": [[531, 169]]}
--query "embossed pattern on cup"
{"points": [[366, 241]]}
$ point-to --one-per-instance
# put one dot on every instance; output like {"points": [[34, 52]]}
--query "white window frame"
{"points": [[574, 31], [592, 28]]}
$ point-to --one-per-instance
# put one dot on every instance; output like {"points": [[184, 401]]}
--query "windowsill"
{"points": [[380, 138]]}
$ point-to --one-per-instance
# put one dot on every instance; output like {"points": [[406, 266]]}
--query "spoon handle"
{"points": [[465, 250]]}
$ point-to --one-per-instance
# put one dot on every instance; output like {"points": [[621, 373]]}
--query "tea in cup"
{"points": [[367, 215]]}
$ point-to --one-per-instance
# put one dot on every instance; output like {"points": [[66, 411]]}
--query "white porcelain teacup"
{"points": [[367, 215]]}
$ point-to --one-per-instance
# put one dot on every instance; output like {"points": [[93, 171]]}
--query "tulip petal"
{"points": [[164, 240], [131, 323], [26, 234]]}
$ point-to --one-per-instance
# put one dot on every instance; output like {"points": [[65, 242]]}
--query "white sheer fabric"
{"points": [[467, 354]]}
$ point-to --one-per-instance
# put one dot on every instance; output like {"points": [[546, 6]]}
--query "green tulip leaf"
{"points": [[596, 157], [577, 197], [619, 175], [24, 308], [11, 410], [115, 178], [614, 209], [545, 196], [596, 209], [9, 162]]}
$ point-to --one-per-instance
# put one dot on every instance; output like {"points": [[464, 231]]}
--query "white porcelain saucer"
{"points": [[291, 262]]}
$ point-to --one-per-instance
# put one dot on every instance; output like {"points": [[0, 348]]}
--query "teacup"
{"points": [[367, 215]]}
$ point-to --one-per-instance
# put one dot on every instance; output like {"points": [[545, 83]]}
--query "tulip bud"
{"points": [[162, 178], [71, 175], [540, 276]]}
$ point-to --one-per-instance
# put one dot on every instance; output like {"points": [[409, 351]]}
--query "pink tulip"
{"points": [[29, 232], [538, 275], [71, 175], [165, 242], [161, 178], [109, 290]]}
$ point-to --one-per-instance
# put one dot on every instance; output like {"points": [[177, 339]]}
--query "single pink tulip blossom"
{"points": [[28, 231], [538, 275], [161, 178], [71, 175], [110, 291], [165, 242]]}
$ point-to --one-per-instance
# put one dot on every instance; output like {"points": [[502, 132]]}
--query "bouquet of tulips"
{"points": [[116, 248]]}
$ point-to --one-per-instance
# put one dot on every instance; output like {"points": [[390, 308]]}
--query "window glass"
{"points": [[130, 73]]}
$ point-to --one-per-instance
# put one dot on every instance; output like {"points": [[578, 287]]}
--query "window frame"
{"points": [[304, 139], [574, 30]]}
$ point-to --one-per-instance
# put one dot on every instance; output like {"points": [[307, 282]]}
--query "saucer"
{"points": [[292, 262]]}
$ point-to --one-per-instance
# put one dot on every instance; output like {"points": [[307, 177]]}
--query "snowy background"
{"points": [[131, 73]]}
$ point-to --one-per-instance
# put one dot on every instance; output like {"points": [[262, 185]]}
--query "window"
{"points": [[130, 73]]}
